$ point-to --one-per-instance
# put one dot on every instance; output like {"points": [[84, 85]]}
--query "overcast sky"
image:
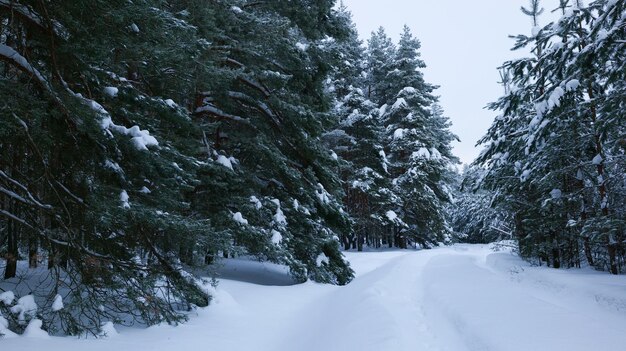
{"points": [[463, 43]]}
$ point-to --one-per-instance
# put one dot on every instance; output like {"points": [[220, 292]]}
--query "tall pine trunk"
{"points": [[602, 188], [10, 270], [33, 251]]}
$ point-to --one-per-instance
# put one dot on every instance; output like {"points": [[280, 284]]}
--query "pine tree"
{"points": [[106, 180], [357, 140], [266, 120], [551, 139], [139, 140], [380, 55], [417, 147]]}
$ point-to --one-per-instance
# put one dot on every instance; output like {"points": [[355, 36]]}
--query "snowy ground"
{"points": [[456, 298]]}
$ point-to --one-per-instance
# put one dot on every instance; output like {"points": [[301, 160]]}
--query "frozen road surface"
{"points": [[465, 297]]}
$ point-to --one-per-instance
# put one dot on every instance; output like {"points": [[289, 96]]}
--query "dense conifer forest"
{"points": [[141, 142], [552, 173]]}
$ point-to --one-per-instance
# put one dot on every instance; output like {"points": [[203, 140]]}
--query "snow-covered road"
{"points": [[457, 298]]}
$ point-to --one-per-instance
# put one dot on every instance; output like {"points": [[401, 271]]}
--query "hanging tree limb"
{"points": [[28, 14], [12, 57]]}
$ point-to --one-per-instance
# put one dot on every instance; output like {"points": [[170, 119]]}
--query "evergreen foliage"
{"points": [[394, 142], [417, 147], [472, 215], [141, 141], [555, 157]]}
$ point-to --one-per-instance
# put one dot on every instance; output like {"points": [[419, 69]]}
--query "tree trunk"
{"points": [[612, 251], [519, 234], [10, 271], [209, 258], [64, 259], [33, 252], [587, 249], [600, 168], [556, 254], [556, 258], [51, 255], [346, 242]]}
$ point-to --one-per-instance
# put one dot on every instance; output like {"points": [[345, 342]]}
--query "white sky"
{"points": [[463, 43]]}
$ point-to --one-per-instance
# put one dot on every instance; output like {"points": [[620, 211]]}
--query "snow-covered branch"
{"points": [[214, 111], [27, 13], [31, 199]]}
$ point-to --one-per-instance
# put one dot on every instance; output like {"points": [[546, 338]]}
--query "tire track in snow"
{"points": [[488, 310], [463, 298], [379, 310]]}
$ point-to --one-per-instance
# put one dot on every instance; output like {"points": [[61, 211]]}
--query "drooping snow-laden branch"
{"points": [[263, 108], [12, 57], [258, 86], [140, 138], [68, 244], [31, 16], [252, 4], [29, 201], [275, 119], [508, 233], [251, 53], [214, 111]]}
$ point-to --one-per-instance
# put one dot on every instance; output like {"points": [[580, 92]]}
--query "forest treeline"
{"points": [[552, 175], [142, 140]]}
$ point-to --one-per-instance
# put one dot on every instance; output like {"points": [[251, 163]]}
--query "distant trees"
{"points": [[472, 215], [555, 157], [395, 142]]}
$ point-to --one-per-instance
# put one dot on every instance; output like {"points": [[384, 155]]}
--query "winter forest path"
{"points": [[461, 298]]}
